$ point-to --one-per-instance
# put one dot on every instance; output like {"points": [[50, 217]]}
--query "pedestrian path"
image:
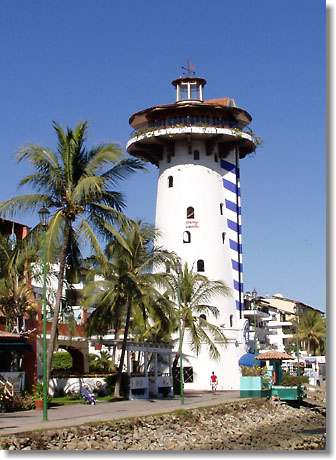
{"points": [[78, 414]]}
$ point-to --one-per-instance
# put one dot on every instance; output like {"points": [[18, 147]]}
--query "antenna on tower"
{"points": [[189, 69]]}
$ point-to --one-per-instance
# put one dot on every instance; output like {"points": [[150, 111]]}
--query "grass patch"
{"points": [[65, 401]]}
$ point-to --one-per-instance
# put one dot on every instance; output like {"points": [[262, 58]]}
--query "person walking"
{"points": [[213, 382]]}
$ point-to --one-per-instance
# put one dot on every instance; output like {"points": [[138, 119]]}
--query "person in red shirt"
{"points": [[213, 382]]}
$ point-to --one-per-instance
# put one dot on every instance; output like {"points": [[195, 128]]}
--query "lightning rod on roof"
{"points": [[189, 69]]}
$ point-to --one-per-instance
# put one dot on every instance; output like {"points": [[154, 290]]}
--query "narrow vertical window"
{"points": [[196, 155], [170, 181], [200, 265], [231, 320], [190, 213], [216, 158], [221, 207], [223, 237], [186, 237]]}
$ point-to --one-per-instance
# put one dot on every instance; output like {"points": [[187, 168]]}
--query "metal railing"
{"points": [[183, 122]]}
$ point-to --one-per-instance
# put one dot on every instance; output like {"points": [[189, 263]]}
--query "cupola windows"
{"points": [[223, 237], [170, 181], [189, 88], [221, 208]]}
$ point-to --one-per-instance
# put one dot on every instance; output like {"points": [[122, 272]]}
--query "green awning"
{"points": [[15, 346]]}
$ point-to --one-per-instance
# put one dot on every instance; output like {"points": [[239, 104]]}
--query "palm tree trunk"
{"points": [[59, 292], [117, 387]]}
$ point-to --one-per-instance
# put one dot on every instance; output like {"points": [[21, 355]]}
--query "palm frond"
{"points": [[23, 203]]}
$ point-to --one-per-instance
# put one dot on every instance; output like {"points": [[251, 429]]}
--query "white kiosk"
{"points": [[149, 367]]}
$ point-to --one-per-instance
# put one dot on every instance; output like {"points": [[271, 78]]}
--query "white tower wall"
{"points": [[196, 183], [205, 184]]}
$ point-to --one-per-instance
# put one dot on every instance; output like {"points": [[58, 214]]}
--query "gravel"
{"points": [[243, 425]]}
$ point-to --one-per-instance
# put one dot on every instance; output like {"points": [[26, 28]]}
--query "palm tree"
{"points": [[76, 185], [127, 289], [311, 330], [17, 297], [192, 295]]}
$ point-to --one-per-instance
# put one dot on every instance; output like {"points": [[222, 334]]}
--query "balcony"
{"points": [[278, 323], [168, 128], [256, 313]]}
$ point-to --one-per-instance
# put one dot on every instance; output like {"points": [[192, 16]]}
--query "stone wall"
{"points": [[243, 425]]}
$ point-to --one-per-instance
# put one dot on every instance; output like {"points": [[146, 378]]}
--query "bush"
{"points": [[254, 371], [73, 396], [22, 402], [101, 363], [111, 381], [289, 380], [62, 360]]}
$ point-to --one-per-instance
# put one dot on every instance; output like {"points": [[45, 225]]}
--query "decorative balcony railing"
{"points": [[188, 121]]}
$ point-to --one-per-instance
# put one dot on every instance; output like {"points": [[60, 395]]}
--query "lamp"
{"points": [[178, 294], [44, 216], [296, 313], [254, 297]]}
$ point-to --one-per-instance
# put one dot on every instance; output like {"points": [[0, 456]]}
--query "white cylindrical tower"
{"points": [[197, 145]]}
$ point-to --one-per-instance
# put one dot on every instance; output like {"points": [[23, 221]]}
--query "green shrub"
{"points": [[73, 395], [111, 381], [22, 402], [62, 360], [102, 363], [294, 380], [252, 371]]}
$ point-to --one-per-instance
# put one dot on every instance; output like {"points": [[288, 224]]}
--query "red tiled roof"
{"points": [[271, 355]]}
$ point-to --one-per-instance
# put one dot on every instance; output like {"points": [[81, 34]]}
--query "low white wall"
{"points": [[73, 384]]}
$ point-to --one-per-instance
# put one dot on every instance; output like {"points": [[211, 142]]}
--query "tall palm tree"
{"points": [[127, 288], [192, 295], [311, 330], [76, 184]]}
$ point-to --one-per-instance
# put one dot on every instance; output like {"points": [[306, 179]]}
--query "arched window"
{"points": [[231, 320], [190, 213], [221, 207], [186, 237], [170, 181], [203, 316], [200, 265], [223, 237], [196, 155]]}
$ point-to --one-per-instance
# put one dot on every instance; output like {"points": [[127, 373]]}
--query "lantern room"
{"points": [[189, 89]]}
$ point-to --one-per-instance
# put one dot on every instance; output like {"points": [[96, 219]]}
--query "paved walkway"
{"points": [[77, 414]]}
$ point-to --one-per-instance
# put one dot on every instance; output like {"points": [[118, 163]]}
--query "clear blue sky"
{"points": [[102, 60]]}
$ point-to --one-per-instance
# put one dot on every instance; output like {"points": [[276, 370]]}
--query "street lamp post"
{"points": [[44, 214], [178, 293], [254, 297], [296, 313]]}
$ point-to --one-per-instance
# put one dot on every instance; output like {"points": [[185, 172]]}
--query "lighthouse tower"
{"points": [[197, 145]]}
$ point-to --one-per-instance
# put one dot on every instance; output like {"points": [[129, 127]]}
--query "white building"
{"points": [[274, 318], [197, 145]]}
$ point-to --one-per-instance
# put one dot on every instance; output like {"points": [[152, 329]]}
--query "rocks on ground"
{"points": [[241, 425]]}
